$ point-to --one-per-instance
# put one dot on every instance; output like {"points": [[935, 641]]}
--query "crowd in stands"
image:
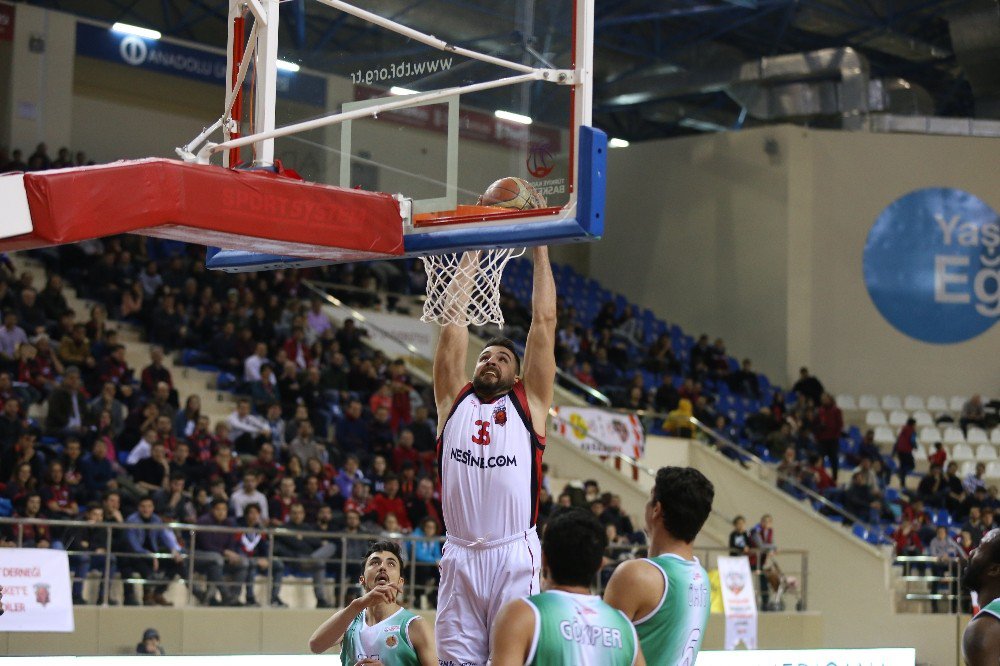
{"points": [[327, 434], [40, 159]]}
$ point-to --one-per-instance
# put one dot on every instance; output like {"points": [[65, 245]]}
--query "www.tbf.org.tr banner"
{"points": [[36, 590]]}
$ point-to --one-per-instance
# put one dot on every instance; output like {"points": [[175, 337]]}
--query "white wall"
{"points": [[757, 237], [40, 84]]}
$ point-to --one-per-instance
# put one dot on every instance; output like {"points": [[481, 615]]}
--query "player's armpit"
{"points": [[635, 589], [981, 642], [512, 634], [640, 659], [423, 644], [539, 367]]}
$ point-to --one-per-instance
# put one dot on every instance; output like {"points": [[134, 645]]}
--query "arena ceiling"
{"points": [[661, 65]]}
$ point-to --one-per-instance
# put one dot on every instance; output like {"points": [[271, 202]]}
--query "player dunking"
{"points": [[667, 595], [981, 642], [491, 435]]}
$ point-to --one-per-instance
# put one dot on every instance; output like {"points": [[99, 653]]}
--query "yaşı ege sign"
{"points": [[932, 265]]}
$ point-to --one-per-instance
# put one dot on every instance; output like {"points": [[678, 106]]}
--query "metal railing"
{"points": [[795, 579], [189, 553], [933, 579]]}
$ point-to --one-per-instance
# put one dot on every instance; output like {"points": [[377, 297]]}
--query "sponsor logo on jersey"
{"points": [[500, 415], [391, 628], [390, 641], [467, 457]]}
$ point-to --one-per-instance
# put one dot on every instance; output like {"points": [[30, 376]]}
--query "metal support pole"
{"points": [[191, 557], [270, 570], [106, 579], [343, 570]]}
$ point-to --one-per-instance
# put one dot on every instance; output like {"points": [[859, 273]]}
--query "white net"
{"points": [[465, 289]]}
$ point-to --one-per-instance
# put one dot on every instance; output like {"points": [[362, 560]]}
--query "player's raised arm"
{"points": [[453, 343], [332, 631], [540, 350], [513, 631]]}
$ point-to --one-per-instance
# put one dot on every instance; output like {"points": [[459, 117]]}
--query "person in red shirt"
{"points": [[404, 452], [816, 473], [297, 349], [939, 456], [829, 426], [280, 506], [391, 502], [907, 542]]}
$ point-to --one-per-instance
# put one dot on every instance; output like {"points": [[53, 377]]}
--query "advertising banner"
{"points": [[833, 657], [932, 265], [602, 432], [36, 590], [739, 602]]}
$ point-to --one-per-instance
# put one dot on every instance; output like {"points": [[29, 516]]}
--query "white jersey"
{"points": [[490, 464]]}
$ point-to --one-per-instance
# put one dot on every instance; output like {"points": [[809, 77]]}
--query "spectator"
{"points": [[739, 538], [975, 479], [114, 368], [277, 427], [946, 550], [933, 487], [404, 452], [249, 430], [348, 475], [816, 477], [174, 503], [217, 556], [254, 362], [745, 381], [906, 442], [427, 554], [938, 456], [973, 413], [92, 541], [789, 472], [144, 448], [763, 545], [265, 390], [906, 541], [309, 554], [51, 299], [32, 535], [11, 337], [186, 420], [155, 373], [861, 500], [67, 406], [352, 431], [12, 423], [248, 494], [808, 386], [829, 428], [318, 321], [267, 468], [97, 472], [391, 503], [424, 504], [150, 542], [974, 525], [255, 548], [150, 644], [305, 446], [955, 489], [31, 313], [297, 349], [56, 495], [107, 402], [23, 452]]}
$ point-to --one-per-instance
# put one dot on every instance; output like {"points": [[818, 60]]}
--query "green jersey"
{"points": [[671, 634], [579, 630], [387, 641], [992, 608]]}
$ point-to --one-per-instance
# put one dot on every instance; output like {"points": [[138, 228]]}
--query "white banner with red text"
{"points": [[36, 590], [601, 432], [739, 602]]}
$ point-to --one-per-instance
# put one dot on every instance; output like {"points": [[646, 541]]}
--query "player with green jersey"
{"points": [[981, 641], [566, 625], [666, 595], [374, 629]]}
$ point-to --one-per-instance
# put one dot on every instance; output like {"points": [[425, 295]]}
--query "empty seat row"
{"points": [[912, 403], [928, 433]]}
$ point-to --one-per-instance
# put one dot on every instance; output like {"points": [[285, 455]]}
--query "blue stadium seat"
{"points": [[859, 531]]}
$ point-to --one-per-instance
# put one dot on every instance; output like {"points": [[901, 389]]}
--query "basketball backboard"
{"points": [[431, 101]]}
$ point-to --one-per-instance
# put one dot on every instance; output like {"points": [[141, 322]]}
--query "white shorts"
{"points": [[477, 579]]}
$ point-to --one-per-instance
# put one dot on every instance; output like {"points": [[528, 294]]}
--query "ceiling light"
{"points": [[513, 117], [396, 90], [617, 143], [286, 66], [127, 29]]}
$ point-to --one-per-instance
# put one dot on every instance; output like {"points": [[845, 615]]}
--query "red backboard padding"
{"points": [[256, 211]]}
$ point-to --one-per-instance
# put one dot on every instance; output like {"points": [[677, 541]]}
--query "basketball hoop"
{"points": [[464, 289]]}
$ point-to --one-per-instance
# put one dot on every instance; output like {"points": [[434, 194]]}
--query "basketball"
{"points": [[511, 192]]}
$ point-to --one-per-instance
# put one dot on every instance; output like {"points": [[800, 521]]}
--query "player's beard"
{"points": [[972, 577], [489, 386]]}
